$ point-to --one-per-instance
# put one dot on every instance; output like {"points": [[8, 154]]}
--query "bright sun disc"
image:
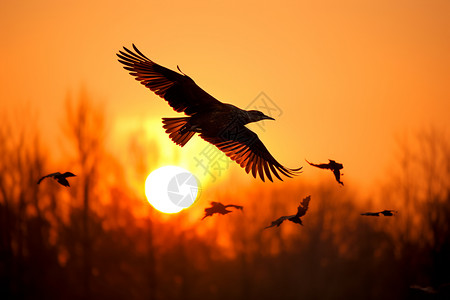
{"points": [[171, 189]]}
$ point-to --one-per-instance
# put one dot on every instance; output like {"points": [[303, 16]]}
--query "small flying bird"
{"points": [[424, 289], [441, 291], [220, 124], [301, 211], [61, 178], [387, 213], [219, 208], [333, 166]]}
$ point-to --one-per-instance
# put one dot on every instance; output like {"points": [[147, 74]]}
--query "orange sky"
{"points": [[348, 76]]}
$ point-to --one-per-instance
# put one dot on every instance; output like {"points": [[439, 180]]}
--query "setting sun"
{"points": [[171, 189]]}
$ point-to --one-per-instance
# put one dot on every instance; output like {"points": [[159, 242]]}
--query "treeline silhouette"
{"points": [[99, 239]]}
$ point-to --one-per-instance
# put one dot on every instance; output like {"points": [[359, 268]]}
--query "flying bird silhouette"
{"points": [[220, 124], [301, 211], [441, 291], [219, 208], [333, 166], [423, 289], [387, 213], [61, 178]]}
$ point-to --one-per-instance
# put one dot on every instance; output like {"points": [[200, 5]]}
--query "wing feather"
{"points": [[266, 169], [303, 207], [179, 90], [251, 154]]}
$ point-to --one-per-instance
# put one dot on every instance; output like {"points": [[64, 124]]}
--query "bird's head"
{"points": [[68, 174], [256, 115]]}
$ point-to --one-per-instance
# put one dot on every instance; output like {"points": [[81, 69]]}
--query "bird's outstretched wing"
{"points": [[337, 176], [278, 221], [371, 214], [209, 211], [234, 206], [386, 213], [62, 178], [249, 152], [303, 207], [68, 174], [63, 181], [49, 175], [321, 166], [179, 90]]}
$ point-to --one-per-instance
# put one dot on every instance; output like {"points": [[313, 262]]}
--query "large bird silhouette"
{"points": [[219, 208], [220, 124], [387, 213], [301, 211], [333, 166], [61, 178]]}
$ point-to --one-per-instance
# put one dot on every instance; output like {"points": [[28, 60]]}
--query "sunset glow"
{"points": [[364, 83]]}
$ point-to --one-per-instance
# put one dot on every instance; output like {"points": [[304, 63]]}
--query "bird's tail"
{"points": [[173, 127]]}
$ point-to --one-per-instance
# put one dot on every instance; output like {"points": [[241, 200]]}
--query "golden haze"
{"points": [[354, 81], [347, 77]]}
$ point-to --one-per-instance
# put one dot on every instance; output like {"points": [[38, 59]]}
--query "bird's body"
{"points": [[333, 166], [206, 122], [280, 220], [301, 211], [219, 208], [60, 177], [386, 213], [218, 123]]}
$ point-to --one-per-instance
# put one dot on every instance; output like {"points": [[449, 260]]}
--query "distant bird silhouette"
{"points": [[441, 291], [424, 289], [219, 208], [333, 166], [387, 213], [61, 178], [220, 124], [301, 211]]}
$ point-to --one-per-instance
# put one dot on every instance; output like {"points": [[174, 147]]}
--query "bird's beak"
{"points": [[268, 118]]}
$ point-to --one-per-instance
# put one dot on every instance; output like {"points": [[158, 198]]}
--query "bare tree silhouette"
{"points": [[85, 129], [22, 158], [420, 184], [42, 231]]}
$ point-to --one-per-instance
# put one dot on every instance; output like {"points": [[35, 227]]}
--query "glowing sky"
{"points": [[348, 76]]}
